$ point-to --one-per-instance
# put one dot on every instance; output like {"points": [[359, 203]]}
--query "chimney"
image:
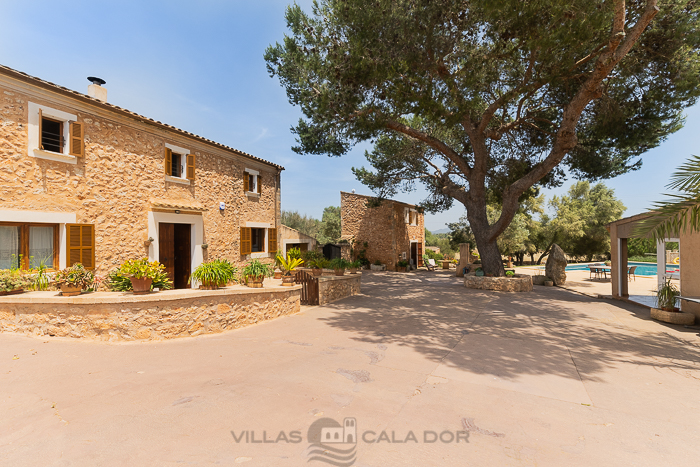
{"points": [[96, 90]]}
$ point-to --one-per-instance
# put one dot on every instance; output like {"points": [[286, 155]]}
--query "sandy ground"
{"points": [[546, 378]]}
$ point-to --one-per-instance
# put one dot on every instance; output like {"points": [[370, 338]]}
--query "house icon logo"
{"points": [[333, 443]]}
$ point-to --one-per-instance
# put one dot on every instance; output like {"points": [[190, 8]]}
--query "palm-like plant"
{"points": [[681, 212], [289, 264]]}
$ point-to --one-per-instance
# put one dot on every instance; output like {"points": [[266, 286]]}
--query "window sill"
{"points": [[54, 156], [259, 254], [182, 181], [253, 194]]}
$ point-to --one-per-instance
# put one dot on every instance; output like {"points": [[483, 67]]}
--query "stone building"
{"points": [[292, 238], [82, 180], [392, 231]]}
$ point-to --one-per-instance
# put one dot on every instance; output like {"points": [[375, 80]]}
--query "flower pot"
{"points": [[317, 272], [255, 281], [209, 286], [278, 274], [288, 280], [340, 272], [12, 292], [353, 270], [141, 286], [70, 290], [401, 268]]}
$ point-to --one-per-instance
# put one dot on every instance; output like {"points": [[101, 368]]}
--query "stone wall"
{"points": [[121, 172], [383, 228], [516, 283], [332, 288], [115, 317]]}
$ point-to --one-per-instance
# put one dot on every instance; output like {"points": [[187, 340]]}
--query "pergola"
{"points": [[689, 246]]}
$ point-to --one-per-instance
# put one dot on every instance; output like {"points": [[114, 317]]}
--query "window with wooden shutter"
{"points": [[272, 240], [77, 145], [259, 184], [190, 167], [80, 245], [245, 182], [245, 241], [168, 161]]}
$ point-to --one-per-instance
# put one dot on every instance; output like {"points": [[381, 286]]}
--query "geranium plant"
{"points": [[75, 276]]}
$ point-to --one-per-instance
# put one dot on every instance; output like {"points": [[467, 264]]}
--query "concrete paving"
{"points": [[543, 378]]}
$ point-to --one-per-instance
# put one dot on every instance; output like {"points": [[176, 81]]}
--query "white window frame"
{"points": [[413, 216], [266, 227], [252, 191], [34, 138], [183, 164], [406, 215]]}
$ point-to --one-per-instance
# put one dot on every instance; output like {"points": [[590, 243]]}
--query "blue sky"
{"points": [[198, 65]]}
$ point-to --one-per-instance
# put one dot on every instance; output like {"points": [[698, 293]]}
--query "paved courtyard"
{"points": [[545, 378]]}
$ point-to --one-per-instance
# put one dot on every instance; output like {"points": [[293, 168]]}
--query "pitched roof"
{"points": [[383, 199], [4, 70]]}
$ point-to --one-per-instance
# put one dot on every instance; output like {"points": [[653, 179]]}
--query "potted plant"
{"points": [[339, 265], [141, 273], [13, 281], [377, 266], [317, 266], [74, 280], [667, 296], [118, 282], [354, 266], [510, 273], [289, 265], [401, 265], [214, 274], [278, 271], [255, 273]]}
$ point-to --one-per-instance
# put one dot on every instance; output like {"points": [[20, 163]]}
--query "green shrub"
{"points": [[432, 255], [311, 255], [510, 273], [667, 295], [339, 263], [320, 263], [216, 272], [255, 268], [402, 263], [12, 279]]}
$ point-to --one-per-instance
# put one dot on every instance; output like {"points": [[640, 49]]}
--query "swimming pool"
{"points": [[643, 269]]}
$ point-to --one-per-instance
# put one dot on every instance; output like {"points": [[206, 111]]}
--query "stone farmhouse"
{"points": [[292, 238], [82, 180], [393, 231]]}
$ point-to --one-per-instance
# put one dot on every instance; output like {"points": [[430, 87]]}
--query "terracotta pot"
{"points": [[317, 272], [209, 286], [278, 274], [340, 272], [401, 268], [12, 292], [141, 286], [70, 290], [255, 281], [288, 280], [353, 270]]}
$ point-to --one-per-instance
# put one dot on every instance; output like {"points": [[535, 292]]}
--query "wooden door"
{"points": [[166, 248], [183, 255]]}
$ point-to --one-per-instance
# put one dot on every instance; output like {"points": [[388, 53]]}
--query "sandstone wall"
{"points": [[334, 288], [148, 319], [121, 171]]}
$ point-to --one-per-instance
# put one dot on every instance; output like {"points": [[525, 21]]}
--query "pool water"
{"points": [[643, 269]]}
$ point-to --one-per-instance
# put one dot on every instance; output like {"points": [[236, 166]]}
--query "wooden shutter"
{"points": [[80, 245], [419, 251], [259, 183], [41, 129], [190, 167], [168, 161], [272, 240], [246, 244], [77, 146], [245, 182]]}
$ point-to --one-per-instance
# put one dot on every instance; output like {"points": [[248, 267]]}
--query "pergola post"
{"points": [[622, 272], [661, 262]]}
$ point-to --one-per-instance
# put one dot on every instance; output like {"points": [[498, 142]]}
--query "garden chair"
{"points": [[430, 264], [630, 273], [593, 272]]}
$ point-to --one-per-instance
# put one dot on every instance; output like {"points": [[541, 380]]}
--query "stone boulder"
{"points": [[555, 268]]}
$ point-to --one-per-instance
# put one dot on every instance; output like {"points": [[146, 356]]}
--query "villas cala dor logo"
{"points": [[333, 443]]}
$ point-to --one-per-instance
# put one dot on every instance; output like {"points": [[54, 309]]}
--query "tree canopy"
{"points": [[480, 101]]}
